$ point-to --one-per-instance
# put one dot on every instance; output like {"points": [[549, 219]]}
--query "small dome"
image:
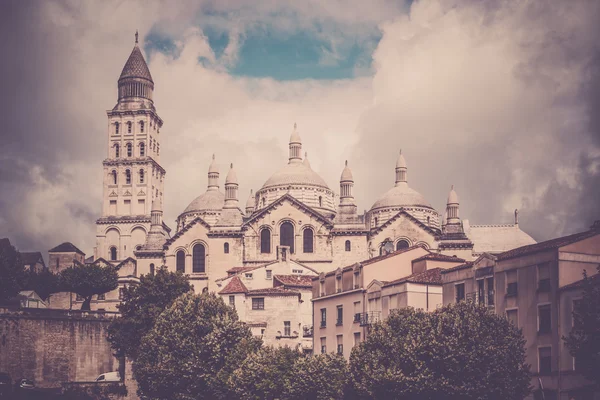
{"points": [[211, 200], [136, 66], [346, 174], [250, 203], [295, 137], [295, 174], [231, 176], [400, 162], [213, 168], [401, 196], [452, 196]]}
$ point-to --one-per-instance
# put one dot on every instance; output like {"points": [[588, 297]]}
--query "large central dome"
{"points": [[295, 174], [401, 196]]}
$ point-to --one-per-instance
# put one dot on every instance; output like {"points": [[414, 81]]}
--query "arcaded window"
{"points": [[320, 201], [142, 126], [129, 127], [113, 253], [402, 244], [141, 176], [129, 150], [226, 248], [117, 153], [307, 240], [127, 177], [265, 241], [114, 177], [142, 149], [180, 261], [348, 245], [286, 235], [116, 128], [199, 258], [151, 269]]}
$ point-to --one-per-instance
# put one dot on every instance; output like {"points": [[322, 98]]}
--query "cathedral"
{"points": [[295, 215]]}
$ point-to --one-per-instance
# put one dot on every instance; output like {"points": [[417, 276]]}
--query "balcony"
{"points": [[307, 331], [369, 318]]}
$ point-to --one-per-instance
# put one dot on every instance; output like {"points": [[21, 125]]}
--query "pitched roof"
{"points": [[547, 245], [297, 281], [497, 238], [272, 292], [438, 257], [594, 279], [235, 285], [32, 258], [468, 264], [402, 211], [66, 247], [237, 270], [429, 277], [294, 201]]}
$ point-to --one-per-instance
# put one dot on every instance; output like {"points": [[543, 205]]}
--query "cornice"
{"points": [[142, 111], [111, 162]]}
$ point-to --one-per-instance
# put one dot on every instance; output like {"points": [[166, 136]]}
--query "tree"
{"points": [[320, 377], [88, 280], [192, 350], [44, 283], [460, 351], [584, 340], [140, 307], [262, 375], [11, 271]]}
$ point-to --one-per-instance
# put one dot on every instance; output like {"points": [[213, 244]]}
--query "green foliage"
{"points": [[461, 351], [320, 377], [263, 375], [88, 280], [140, 307], [584, 340], [192, 350], [44, 283], [11, 272]]}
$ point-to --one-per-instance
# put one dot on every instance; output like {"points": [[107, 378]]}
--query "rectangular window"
{"points": [[357, 311], [511, 283], [544, 319], [340, 344], [142, 206], [258, 303], [545, 360], [356, 338], [296, 271], [323, 345], [513, 317], [323, 317], [232, 301], [459, 291], [287, 328], [248, 276], [490, 291], [112, 207], [102, 296], [544, 277], [340, 315], [269, 274], [481, 292], [127, 204]]}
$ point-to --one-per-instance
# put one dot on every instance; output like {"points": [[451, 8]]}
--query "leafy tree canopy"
{"points": [[140, 307], [88, 280], [460, 351], [43, 282], [12, 274], [192, 350], [320, 377], [584, 340], [263, 375]]}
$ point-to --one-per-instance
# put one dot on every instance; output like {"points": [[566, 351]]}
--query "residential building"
{"points": [[348, 300], [535, 287]]}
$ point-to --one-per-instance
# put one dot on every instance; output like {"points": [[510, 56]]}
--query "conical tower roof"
{"points": [[136, 66]]}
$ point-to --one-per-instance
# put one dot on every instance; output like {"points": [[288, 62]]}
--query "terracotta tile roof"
{"points": [[439, 257], [547, 245], [237, 270], [374, 259], [297, 281], [66, 247], [272, 292], [468, 264], [430, 277], [235, 285]]}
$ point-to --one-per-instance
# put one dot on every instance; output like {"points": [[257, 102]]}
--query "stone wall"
{"points": [[54, 346]]}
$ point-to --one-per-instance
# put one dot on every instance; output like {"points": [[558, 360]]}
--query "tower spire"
{"points": [[401, 170], [136, 36], [295, 147], [213, 175]]}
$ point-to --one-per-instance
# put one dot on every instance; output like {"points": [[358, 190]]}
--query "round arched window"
{"points": [[402, 244]]}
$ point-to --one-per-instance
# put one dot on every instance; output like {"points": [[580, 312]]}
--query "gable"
{"points": [[196, 229], [406, 226], [290, 208]]}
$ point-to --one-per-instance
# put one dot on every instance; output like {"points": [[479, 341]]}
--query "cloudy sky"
{"points": [[499, 98]]}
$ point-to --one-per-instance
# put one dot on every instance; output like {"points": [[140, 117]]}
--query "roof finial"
{"points": [[400, 152], [213, 156], [516, 216], [136, 36], [346, 163], [231, 165], [306, 154], [294, 125], [452, 187]]}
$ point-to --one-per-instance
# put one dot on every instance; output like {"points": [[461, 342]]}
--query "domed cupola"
{"points": [[135, 83], [299, 180], [402, 196], [209, 204]]}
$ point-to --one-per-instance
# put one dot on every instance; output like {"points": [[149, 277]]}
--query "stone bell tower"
{"points": [[133, 177]]}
